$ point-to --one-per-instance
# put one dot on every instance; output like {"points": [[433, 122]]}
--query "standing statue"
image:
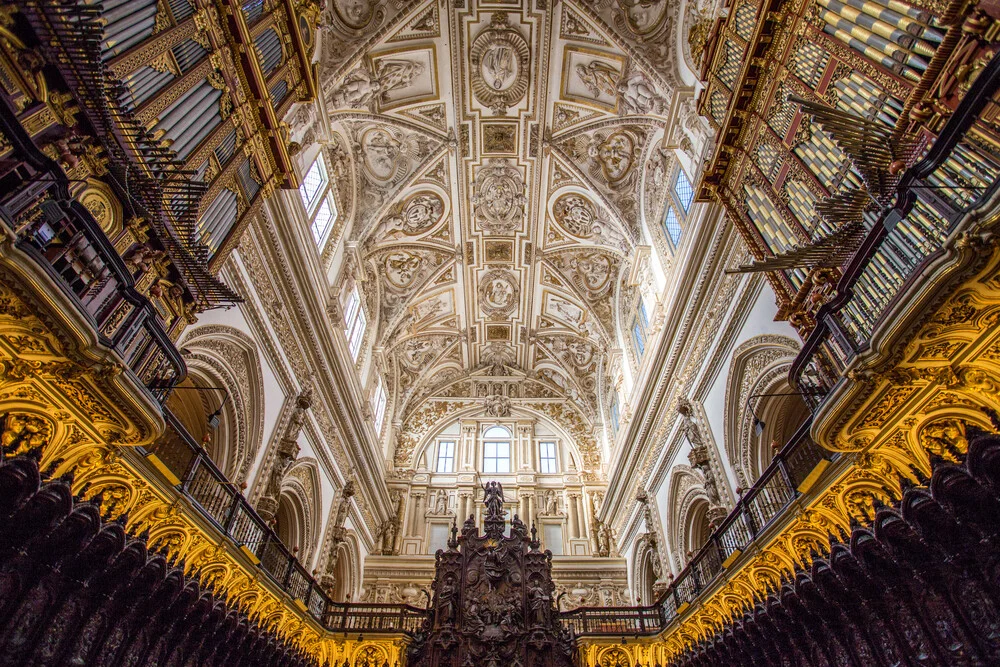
{"points": [[551, 503], [493, 499], [441, 502]]}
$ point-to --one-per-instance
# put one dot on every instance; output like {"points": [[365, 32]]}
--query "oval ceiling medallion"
{"points": [[576, 214], [382, 154], [499, 61], [642, 17], [616, 155]]}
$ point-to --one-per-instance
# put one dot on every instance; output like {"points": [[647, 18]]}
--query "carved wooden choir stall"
{"points": [[493, 599]]}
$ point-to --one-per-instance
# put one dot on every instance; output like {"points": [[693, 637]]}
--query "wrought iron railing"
{"points": [[794, 469], [959, 174], [63, 238], [223, 504], [145, 175]]}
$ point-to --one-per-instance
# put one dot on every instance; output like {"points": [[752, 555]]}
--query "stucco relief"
{"points": [[498, 199]]}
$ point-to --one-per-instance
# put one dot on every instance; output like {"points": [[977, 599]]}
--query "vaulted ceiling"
{"points": [[495, 161]]}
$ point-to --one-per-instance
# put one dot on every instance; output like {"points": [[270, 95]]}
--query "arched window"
{"points": [[496, 450]]}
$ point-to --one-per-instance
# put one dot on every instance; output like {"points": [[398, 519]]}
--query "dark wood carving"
{"points": [[76, 589], [919, 585], [494, 600]]}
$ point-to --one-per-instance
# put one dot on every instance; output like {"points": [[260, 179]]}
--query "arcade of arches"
{"points": [[531, 332]]}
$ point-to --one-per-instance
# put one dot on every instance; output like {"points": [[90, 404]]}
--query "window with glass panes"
{"points": [[446, 456], [317, 197], [378, 405], [678, 205], [547, 457], [639, 325], [354, 319], [496, 450]]}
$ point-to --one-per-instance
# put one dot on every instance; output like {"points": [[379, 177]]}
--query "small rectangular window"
{"points": [[638, 338], [378, 405], [496, 457], [684, 190], [446, 457], [547, 457], [321, 225], [354, 321], [672, 225], [313, 185], [614, 413]]}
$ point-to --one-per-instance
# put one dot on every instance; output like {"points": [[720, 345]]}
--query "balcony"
{"points": [[62, 238], [937, 199], [793, 471]]}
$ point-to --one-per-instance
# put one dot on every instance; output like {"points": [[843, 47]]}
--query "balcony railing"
{"points": [[361, 618], [794, 469], [63, 238], [955, 179], [221, 502], [613, 621]]}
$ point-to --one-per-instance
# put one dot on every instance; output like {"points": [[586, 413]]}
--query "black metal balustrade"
{"points": [[223, 504], [63, 238], [793, 469], [956, 178]]}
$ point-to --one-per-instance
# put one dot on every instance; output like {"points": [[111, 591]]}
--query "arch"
{"points": [[687, 523], [477, 411], [644, 576], [347, 574], [760, 365], [299, 506], [221, 356]]}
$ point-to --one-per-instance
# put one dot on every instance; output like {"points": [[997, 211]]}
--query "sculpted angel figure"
{"points": [[357, 91], [638, 96]]}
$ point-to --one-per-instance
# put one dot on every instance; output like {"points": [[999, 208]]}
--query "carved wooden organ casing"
{"points": [[494, 603]]}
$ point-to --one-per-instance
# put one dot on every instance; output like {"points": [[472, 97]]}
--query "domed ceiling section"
{"points": [[502, 155]]}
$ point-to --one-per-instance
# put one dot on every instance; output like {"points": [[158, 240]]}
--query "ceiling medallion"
{"points": [[576, 214], [498, 293], [499, 197], [642, 17], [499, 61]]}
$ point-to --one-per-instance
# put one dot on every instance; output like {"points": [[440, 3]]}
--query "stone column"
{"points": [[581, 517], [524, 441], [571, 516], [468, 446]]}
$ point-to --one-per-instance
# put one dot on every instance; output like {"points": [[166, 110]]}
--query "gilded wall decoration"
{"points": [[499, 65]]}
